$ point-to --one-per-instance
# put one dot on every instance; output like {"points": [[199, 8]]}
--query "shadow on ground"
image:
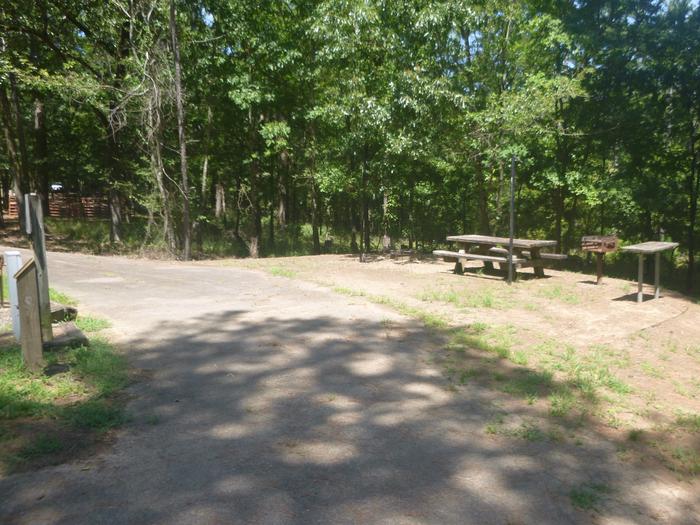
{"points": [[262, 418]]}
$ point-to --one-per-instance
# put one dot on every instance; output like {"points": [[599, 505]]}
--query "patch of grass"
{"points": [[96, 414], [495, 425], [528, 432], [41, 446], [81, 396], [24, 394], [561, 402], [465, 375], [635, 435], [464, 298], [280, 271], [348, 291], [60, 297], [528, 383], [688, 422], [92, 324], [520, 358], [686, 460], [588, 496], [558, 292], [651, 371], [450, 296], [430, 320], [101, 367]]}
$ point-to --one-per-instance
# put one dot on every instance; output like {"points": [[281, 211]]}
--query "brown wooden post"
{"points": [[657, 275], [35, 218], [599, 267], [640, 277], [30, 323]]}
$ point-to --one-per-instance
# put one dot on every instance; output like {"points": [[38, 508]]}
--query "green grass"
{"points": [[464, 298], [279, 271], [41, 446], [528, 383], [81, 397], [92, 324], [688, 422], [561, 402], [588, 496], [94, 372], [558, 292], [61, 298], [96, 414]]}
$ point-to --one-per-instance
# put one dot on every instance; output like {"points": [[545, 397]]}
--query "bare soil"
{"points": [[652, 349]]}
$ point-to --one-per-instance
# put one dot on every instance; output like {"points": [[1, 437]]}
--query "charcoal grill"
{"points": [[600, 245]]}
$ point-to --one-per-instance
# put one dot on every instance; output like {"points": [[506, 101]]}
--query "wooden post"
{"points": [[640, 277], [459, 269], [30, 321], [599, 267], [36, 216], [657, 275]]}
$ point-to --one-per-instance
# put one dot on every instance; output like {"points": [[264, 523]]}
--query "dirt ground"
{"points": [[647, 354]]}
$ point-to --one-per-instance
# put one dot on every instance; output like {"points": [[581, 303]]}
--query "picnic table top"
{"points": [[486, 239], [650, 247]]}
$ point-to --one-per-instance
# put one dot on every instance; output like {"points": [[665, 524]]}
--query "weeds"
{"points": [[92, 324], [588, 496]]}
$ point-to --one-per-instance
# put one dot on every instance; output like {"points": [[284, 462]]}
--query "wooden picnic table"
{"points": [[649, 248], [526, 252]]}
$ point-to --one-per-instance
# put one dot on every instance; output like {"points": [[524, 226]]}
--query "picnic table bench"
{"points": [[490, 250]]}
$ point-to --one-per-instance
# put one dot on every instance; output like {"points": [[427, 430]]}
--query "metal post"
{"points": [[640, 278], [512, 219], [657, 275], [13, 260], [36, 218]]}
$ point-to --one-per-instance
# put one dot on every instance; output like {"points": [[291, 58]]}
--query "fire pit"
{"points": [[600, 245]]}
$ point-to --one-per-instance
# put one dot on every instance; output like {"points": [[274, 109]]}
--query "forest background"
{"points": [[226, 127]]}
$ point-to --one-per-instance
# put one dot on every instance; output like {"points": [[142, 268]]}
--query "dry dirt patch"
{"points": [[578, 355]]}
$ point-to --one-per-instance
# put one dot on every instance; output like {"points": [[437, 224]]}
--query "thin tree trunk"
{"points": [[315, 216], [18, 181], [484, 226], [41, 154], [154, 138], [220, 201], [694, 191], [179, 103], [205, 165], [271, 226], [365, 204]]}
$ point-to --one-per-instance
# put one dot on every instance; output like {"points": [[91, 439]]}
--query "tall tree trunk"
{"points": [[559, 215], [41, 154], [219, 201], [484, 224], [365, 204], [315, 216], [179, 103], [271, 226], [155, 130], [205, 165], [19, 182], [694, 193], [282, 194]]}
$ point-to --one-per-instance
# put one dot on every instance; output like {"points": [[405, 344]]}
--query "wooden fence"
{"points": [[69, 205]]}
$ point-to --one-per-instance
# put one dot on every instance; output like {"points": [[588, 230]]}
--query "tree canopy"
{"points": [[253, 121]]}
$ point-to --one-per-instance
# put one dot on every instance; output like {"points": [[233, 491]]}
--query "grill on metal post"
{"points": [[600, 245]]}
